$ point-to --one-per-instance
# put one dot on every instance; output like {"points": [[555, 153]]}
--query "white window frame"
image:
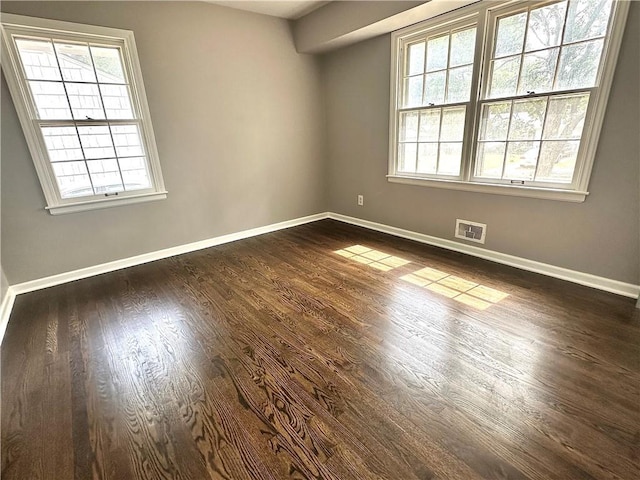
{"points": [[19, 25], [484, 15]]}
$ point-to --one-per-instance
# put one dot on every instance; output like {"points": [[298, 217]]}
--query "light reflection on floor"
{"points": [[373, 258], [462, 290], [450, 286]]}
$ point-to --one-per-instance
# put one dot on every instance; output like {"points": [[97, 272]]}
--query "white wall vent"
{"points": [[474, 231]]}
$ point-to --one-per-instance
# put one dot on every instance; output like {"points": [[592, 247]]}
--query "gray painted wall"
{"points": [[600, 236], [4, 284], [245, 140], [238, 120]]}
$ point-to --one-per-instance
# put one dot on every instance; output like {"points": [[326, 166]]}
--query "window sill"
{"points": [[512, 190], [105, 203]]}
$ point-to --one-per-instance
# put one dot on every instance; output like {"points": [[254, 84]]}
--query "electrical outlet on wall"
{"points": [[361, 200], [474, 231]]}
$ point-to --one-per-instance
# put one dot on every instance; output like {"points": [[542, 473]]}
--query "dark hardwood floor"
{"points": [[277, 358]]}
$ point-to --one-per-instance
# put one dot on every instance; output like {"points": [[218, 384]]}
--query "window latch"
{"points": [[89, 118], [530, 92], [111, 194]]}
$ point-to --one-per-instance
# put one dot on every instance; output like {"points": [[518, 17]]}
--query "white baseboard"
{"points": [[601, 283], [5, 310], [61, 278], [606, 284]]}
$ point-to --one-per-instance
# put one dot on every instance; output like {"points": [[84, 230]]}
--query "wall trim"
{"points": [[587, 279], [5, 310], [81, 273]]}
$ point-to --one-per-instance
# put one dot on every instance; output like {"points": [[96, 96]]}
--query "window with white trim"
{"points": [[81, 102], [504, 97]]}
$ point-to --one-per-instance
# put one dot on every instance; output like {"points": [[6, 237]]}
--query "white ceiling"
{"points": [[289, 10]]}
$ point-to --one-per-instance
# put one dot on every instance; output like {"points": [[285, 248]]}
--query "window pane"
{"points": [[50, 100], [490, 159], [579, 65], [72, 178], [434, 90], [521, 160], [437, 53], [510, 35], [565, 118], [463, 46], [105, 175], [459, 89], [136, 179], [407, 157], [70, 168], [495, 121], [75, 63], [450, 157], [413, 91], [545, 26], [430, 125], [134, 173], [38, 59], [427, 158], [127, 140], [587, 19], [96, 142], [116, 101], [408, 126], [504, 77], [85, 101], [416, 59], [62, 143], [557, 161], [103, 166], [132, 163], [452, 124], [108, 64], [527, 118], [538, 69]]}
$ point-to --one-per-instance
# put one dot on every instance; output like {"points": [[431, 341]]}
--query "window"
{"points": [[504, 98], [79, 95]]}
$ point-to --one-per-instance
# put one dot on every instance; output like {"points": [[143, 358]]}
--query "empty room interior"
{"points": [[346, 240]]}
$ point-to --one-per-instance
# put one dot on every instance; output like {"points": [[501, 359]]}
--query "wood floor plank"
{"points": [[22, 419], [277, 358]]}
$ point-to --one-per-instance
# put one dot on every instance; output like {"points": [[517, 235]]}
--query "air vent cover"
{"points": [[474, 231]]}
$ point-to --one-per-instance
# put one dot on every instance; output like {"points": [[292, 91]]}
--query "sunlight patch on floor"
{"points": [[373, 258], [460, 289]]}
